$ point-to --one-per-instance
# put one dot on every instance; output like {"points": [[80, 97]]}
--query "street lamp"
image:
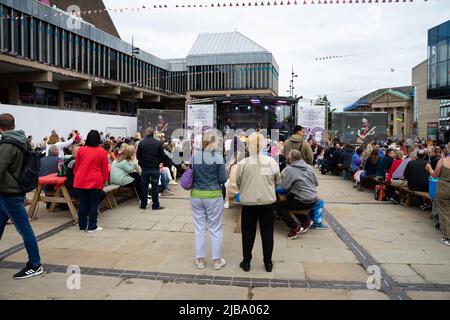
{"points": [[134, 52], [291, 85]]}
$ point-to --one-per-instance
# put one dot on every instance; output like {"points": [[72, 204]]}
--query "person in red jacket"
{"points": [[398, 160], [91, 172]]}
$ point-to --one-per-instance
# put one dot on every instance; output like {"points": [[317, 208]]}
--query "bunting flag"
{"points": [[244, 4]]}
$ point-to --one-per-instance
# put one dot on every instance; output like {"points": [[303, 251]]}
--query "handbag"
{"points": [[187, 179]]}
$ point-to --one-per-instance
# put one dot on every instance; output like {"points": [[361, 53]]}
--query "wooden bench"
{"points": [[110, 201], [406, 194]]}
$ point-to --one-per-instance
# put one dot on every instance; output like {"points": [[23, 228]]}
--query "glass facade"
{"points": [[232, 77], [439, 61], [41, 38]]}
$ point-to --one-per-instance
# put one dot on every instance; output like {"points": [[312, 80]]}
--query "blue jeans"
{"points": [[88, 210], [14, 209], [150, 175]]}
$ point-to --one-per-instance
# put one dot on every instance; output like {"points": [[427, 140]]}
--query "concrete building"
{"points": [[397, 102], [45, 61], [439, 74], [426, 111]]}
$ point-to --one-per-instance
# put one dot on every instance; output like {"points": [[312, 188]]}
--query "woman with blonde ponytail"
{"points": [[256, 178]]}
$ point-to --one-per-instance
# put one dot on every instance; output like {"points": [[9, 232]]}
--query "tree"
{"points": [[323, 101]]}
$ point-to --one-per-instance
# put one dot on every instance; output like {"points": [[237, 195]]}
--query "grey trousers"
{"points": [[207, 214]]}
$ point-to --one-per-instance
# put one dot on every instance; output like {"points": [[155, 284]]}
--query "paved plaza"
{"points": [[149, 255]]}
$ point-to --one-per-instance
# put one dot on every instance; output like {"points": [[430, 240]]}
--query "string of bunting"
{"points": [[216, 5]]}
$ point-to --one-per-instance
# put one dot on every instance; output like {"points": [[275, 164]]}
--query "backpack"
{"points": [[29, 174], [62, 169], [380, 192]]}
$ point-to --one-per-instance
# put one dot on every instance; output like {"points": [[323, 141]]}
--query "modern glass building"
{"points": [[71, 64], [439, 73]]}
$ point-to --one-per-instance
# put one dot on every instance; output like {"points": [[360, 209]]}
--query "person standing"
{"points": [[11, 195], [55, 141], [298, 142], [443, 194], [256, 178], [91, 172], [207, 201], [150, 155]]}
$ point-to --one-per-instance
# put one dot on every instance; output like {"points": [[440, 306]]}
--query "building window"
{"points": [[66, 49], [75, 101], [44, 42], [26, 36], [16, 32], [58, 47], [35, 39], [6, 29], [442, 51], [128, 108], [442, 74], [106, 105], [113, 64], [51, 37]]}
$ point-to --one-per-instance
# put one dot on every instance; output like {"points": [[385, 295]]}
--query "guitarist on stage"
{"points": [[365, 131]]}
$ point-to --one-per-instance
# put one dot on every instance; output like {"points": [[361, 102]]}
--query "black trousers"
{"points": [[283, 208], [136, 184], [249, 219]]}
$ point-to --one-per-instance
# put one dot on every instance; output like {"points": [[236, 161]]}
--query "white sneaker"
{"points": [[445, 241], [167, 193], [95, 230], [173, 183], [226, 205], [200, 264], [220, 265]]}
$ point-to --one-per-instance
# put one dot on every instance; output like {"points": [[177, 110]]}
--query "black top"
{"points": [[417, 175], [150, 154]]}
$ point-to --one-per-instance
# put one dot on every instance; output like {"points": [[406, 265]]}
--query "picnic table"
{"points": [[61, 195]]}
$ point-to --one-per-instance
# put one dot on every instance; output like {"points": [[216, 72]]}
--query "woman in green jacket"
{"points": [[124, 171]]}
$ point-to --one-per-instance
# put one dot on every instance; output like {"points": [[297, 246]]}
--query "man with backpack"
{"points": [[298, 142], [19, 171]]}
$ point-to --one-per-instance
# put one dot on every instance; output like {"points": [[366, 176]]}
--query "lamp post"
{"points": [[134, 51], [291, 85]]}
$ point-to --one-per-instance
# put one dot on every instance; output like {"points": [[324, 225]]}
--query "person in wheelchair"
{"points": [[300, 182]]}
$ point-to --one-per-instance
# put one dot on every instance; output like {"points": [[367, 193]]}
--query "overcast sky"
{"points": [[382, 41]]}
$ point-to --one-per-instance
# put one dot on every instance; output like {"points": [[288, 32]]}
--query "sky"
{"points": [[380, 43]]}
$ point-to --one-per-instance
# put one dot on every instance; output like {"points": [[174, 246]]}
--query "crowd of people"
{"points": [[252, 170], [397, 164]]}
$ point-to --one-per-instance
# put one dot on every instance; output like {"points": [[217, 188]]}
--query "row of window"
{"points": [[232, 77], [439, 57], [38, 40], [30, 95]]}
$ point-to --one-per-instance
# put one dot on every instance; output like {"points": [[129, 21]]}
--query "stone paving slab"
{"points": [[433, 273], [315, 294], [403, 273], [172, 291], [421, 295]]}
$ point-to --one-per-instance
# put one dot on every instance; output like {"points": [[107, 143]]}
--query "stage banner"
{"points": [[312, 118], [163, 121], [200, 117], [360, 127]]}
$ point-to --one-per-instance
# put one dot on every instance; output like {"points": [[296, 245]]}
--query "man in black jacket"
{"points": [[150, 155], [11, 195], [416, 173]]}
